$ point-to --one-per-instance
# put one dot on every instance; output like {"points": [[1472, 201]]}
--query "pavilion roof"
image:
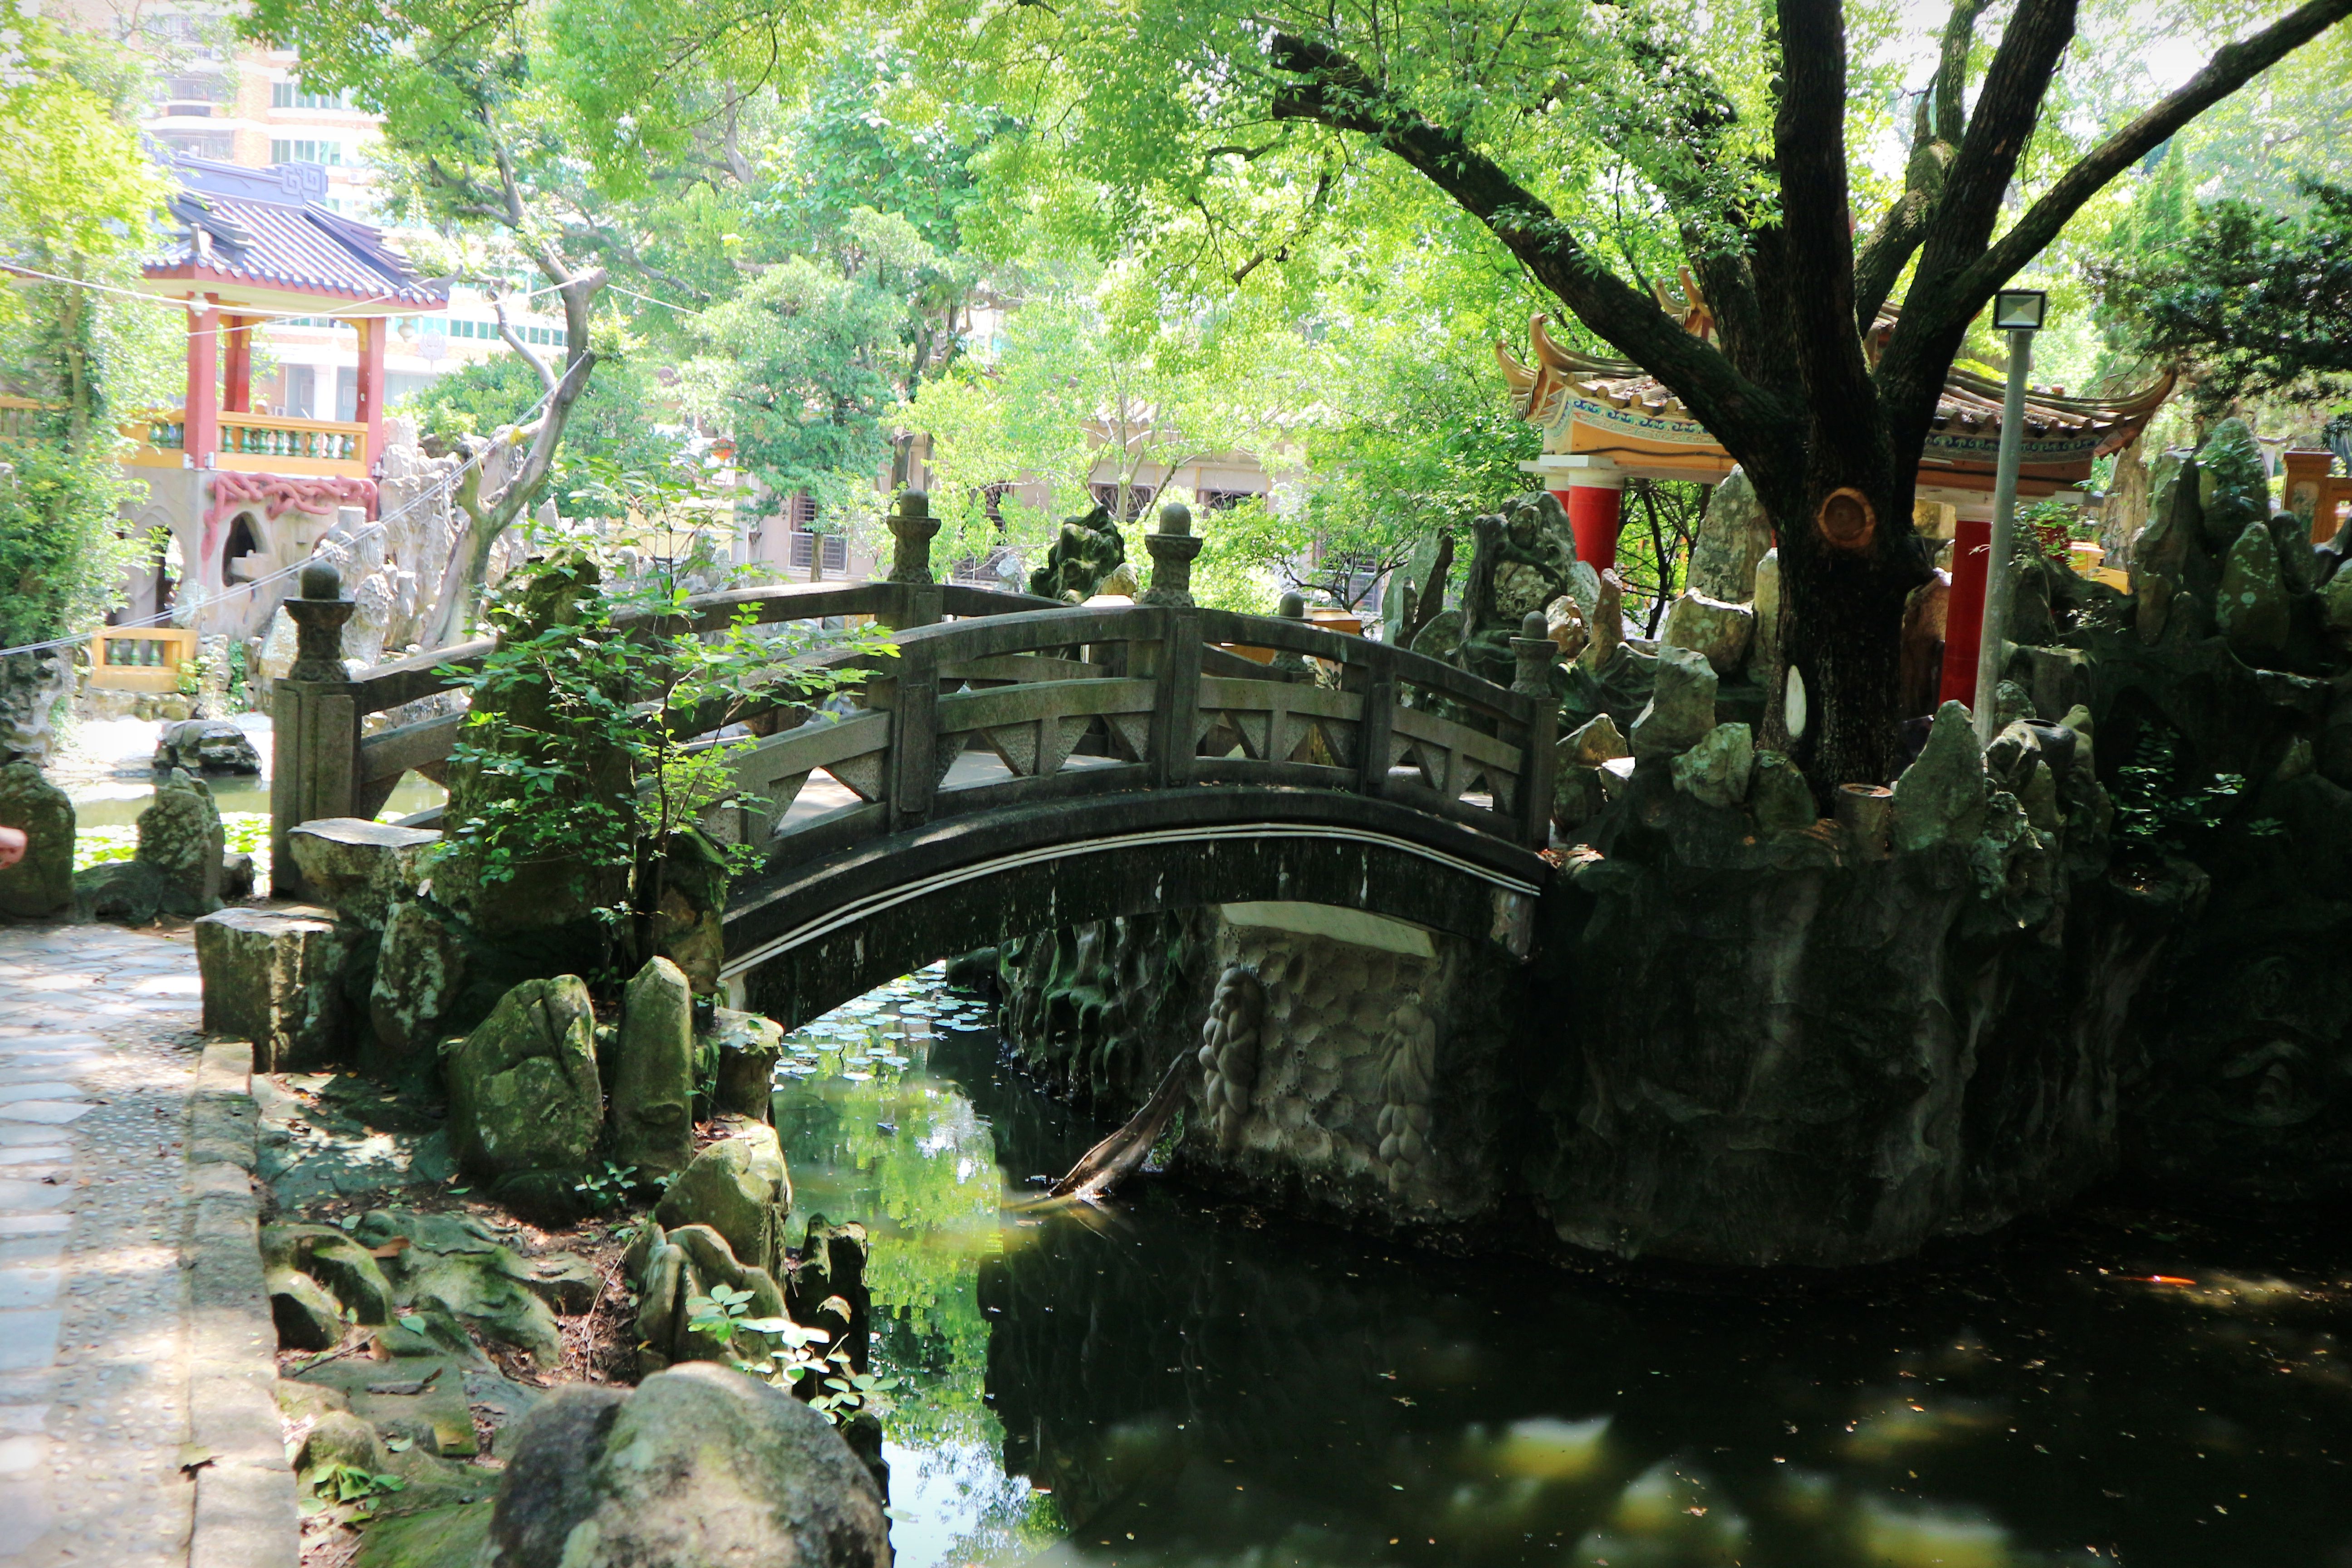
{"points": [[1970, 405], [265, 228]]}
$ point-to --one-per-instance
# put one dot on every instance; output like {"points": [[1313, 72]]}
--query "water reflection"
{"points": [[1184, 1383]]}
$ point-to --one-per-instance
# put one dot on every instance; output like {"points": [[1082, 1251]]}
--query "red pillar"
{"points": [[1964, 611], [371, 399], [201, 441], [1592, 515], [237, 364]]}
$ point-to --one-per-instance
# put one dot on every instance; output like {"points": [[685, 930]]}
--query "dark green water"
{"points": [[1177, 1381]]}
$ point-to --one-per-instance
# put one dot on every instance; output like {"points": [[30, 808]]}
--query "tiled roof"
{"points": [[1970, 405], [254, 226]]}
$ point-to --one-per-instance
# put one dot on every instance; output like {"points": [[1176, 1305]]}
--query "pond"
{"points": [[1180, 1379]]}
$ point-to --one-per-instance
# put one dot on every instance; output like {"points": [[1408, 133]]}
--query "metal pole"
{"points": [[2000, 571]]}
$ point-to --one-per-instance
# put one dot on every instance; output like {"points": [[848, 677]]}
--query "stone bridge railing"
{"points": [[1049, 701]]}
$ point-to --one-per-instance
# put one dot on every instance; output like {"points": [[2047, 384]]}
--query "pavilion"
{"points": [[246, 492], [1606, 421]]}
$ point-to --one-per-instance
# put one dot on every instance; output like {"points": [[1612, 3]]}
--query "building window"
{"points": [[285, 152], [294, 95], [207, 144], [1138, 498]]}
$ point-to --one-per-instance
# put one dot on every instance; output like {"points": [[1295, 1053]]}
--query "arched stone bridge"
{"points": [[1019, 765]]}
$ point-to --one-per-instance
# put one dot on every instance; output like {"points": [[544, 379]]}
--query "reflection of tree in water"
{"points": [[1225, 1393], [1230, 1392]]}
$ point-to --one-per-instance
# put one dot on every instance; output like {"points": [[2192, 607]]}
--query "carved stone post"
{"points": [[1288, 660], [913, 526], [1172, 548], [1535, 650], [315, 725]]}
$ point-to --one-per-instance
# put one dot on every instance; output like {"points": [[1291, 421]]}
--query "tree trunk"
{"points": [[1842, 624]]}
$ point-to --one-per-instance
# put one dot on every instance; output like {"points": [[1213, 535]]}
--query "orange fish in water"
{"points": [[2169, 1280]]}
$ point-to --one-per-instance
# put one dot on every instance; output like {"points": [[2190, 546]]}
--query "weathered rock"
{"points": [[308, 1318], [31, 688], [340, 1437], [273, 976], [456, 1265], [2335, 609], [1941, 796], [205, 746], [739, 1188], [2232, 486], [42, 882], [1732, 538], [420, 972], [340, 1266], [568, 1283], [1085, 551], [1592, 744], [180, 838], [1605, 615], [1716, 771], [2252, 604], [359, 867], [748, 1048], [237, 876], [1716, 631], [1779, 797], [1564, 623], [698, 1465], [689, 927], [651, 1073], [1764, 651], [1682, 705], [523, 1091]]}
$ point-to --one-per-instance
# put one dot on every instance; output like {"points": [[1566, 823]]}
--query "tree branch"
{"points": [[1809, 138], [1336, 92], [514, 341], [2231, 68]]}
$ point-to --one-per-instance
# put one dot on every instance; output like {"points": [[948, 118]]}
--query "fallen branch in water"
{"points": [[1108, 1162]]}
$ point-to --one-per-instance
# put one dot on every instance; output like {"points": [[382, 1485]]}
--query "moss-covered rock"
{"points": [[523, 1090]]}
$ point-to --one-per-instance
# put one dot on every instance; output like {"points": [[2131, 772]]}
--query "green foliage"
{"points": [[581, 741], [2259, 304], [61, 559], [608, 1189], [2161, 811], [610, 424], [349, 1488]]}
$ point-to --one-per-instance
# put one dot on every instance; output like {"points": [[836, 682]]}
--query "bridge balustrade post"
{"points": [[1373, 732], [314, 725], [914, 738], [1172, 548], [1536, 652], [1176, 705], [913, 527]]}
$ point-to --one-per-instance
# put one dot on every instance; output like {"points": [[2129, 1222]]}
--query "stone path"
{"points": [[97, 1061]]}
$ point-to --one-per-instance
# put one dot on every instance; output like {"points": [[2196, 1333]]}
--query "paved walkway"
{"points": [[96, 1060]]}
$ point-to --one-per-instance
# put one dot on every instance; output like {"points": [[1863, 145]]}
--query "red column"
{"points": [[202, 439], [237, 364], [1964, 611], [1592, 515], [371, 399]]}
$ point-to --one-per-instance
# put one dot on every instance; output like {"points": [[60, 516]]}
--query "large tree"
{"points": [[1553, 123]]}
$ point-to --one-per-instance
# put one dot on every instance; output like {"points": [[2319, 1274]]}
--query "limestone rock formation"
{"points": [[205, 746], [274, 977], [669, 1268], [361, 868], [2251, 606], [649, 1073], [1941, 796], [1777, 796], [42, 882], [176, 869], [1715, 771], [1732, 538], [739, 1188], [1086, 550], [696, 1465], [1717, 631], [1764, 651], [1682, 705], [31, 688], [523, 1091], [748, 1048], [421, 971]]}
